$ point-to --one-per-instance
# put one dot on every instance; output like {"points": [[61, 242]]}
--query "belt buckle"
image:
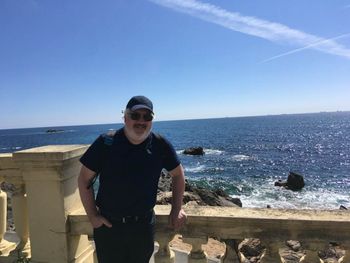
{"points": [[127, 219]]}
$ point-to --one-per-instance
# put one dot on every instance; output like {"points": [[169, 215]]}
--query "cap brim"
{"points": [[140, 106]]}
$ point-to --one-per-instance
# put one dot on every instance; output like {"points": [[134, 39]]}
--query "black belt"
{"points": [[144, 218]]}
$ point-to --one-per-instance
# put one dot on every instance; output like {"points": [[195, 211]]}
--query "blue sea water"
{"points": [[244, 155]]}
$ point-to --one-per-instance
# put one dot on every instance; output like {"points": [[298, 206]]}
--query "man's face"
{"points": [[138, 125]]}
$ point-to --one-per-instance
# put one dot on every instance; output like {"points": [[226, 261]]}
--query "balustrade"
{"points": [[46, 204]]}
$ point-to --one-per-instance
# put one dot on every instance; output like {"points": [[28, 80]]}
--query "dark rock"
{"points": [[164, 184], [281, 183], [188, 186], [53, 131], [165, 198], [194, 151], [290, 256], [328, 253], [197, 195], [294, 182], [7, 187], [342, 207], [331, 253], [294, 245], [251, 247]]}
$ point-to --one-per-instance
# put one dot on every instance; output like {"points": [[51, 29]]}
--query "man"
{"points": [[129, 164]]}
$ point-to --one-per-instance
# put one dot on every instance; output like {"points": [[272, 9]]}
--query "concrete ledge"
{"points": [[237, 223]]}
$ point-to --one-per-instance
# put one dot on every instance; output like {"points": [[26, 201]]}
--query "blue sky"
{"points": [[78, 62]]}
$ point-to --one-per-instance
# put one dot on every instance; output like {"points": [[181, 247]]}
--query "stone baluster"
{"points": [[3, 213], [271, 253], [5, 246], [312, 249], [231, 253], [20, 217], [164, 254], [346, 257], [197, 254]]}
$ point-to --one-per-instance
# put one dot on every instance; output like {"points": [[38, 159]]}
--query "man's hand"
{"points": [[177, 219], [98, 220]]}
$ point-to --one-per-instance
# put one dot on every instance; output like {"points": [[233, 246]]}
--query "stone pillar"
{"points": [[231, 253], [20, 217], [50, 174], [271, 253], [197, 254], [346, 257], [5, 246], [312, 249], [164, 254]]}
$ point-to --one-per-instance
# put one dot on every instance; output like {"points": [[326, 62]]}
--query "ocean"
{"points": [[244, 155]]}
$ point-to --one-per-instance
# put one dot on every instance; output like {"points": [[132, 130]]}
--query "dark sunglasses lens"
{"points": [[148, 117], [135, 116]]}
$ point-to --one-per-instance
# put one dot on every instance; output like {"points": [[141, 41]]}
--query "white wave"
{"points": [[286, 199], [11, 148], [213, 151], [196, 169], [241, 157]]}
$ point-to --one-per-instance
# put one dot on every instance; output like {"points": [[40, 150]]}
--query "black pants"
{"points": [[125, 242]]}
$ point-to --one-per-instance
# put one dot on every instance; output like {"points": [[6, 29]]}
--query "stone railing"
{"points": [[46, 204]]}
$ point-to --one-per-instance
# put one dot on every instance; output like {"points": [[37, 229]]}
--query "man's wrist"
{"points": [[93, 215], [176, 209]]}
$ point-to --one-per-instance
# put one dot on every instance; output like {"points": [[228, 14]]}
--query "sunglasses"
{"points": [[136, 116]]}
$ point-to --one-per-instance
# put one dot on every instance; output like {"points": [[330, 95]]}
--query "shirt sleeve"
{"points": [[93, 158], [170, 159]]}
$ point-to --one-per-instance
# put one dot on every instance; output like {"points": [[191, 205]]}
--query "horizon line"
{"points": [[189, 119]]}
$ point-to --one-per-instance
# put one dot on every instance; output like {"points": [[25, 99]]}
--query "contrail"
{"points": [[253, 26], [303, 48]]}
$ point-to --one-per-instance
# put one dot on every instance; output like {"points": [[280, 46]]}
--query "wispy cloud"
{"points": [[271, 31]]}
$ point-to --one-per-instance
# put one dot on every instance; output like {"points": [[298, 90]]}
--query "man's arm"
{"points": [[177, 216], [87, 198]]}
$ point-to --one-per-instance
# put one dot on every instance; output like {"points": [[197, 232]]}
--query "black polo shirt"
{"points": [[129, 173]]}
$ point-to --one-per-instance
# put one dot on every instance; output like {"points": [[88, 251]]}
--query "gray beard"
{"points": [[130, 134]]}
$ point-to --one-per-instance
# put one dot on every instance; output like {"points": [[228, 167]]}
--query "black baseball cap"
{"points": [[139, 102]]}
